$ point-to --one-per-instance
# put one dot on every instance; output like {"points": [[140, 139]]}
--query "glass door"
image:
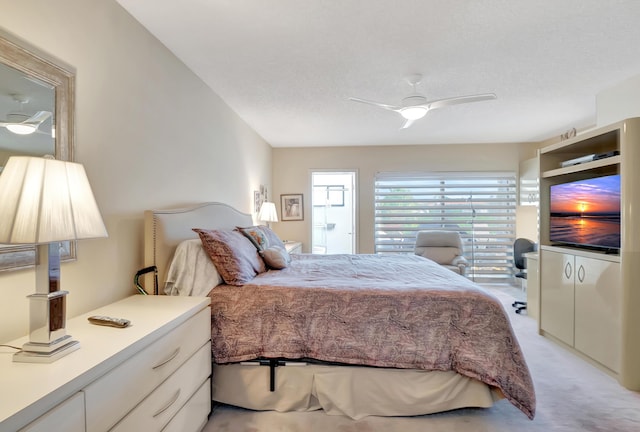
{"points": [[333, 216]]}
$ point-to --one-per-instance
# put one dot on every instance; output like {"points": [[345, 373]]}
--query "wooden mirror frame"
{"points": [[62, 80]]}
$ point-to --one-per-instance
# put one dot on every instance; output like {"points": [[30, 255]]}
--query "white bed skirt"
{"points": [[352, 391]]}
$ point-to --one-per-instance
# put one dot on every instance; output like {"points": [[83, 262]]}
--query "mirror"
{"points": [[36, 92]]}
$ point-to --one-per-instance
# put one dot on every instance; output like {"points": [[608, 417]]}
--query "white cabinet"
{"points": [[606, 318], [293, 247], [113, 395], [528, 182], [580, 304], [151, 375], [597, 311], [556, 295]]}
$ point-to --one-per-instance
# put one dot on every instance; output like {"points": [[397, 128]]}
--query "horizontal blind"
{"points": [[480, 206]]}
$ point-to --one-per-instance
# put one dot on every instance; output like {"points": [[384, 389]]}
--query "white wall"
{"points": [[132, 97], [292, 174]]}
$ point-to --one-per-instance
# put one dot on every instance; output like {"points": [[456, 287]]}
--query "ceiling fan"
{"points": [[21, 123], [416, 106]]}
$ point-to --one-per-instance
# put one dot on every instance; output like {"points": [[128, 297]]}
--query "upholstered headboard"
{"points": [[165, 229]]}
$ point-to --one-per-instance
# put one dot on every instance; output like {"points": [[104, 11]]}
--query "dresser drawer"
{"points": [[66, 417], [112, 396], [195, 414], [165, 401]]}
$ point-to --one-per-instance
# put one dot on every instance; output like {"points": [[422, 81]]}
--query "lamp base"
{"points": [[46, 352]]}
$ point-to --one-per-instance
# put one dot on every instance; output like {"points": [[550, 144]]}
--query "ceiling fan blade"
{"points": [[459, 100], [378, 104], [38, 117], [407, 123]]}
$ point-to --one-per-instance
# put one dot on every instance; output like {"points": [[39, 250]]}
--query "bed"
{"points": [[353, 335]]}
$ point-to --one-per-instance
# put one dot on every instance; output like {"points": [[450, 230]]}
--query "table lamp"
{"points": [[268, 212], [44, 201]]}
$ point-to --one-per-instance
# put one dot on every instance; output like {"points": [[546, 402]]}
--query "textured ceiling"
{"points": [[288, 67]]}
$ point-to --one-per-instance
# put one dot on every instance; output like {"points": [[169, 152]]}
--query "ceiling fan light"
{"points": [[21, 129], [413, 113]]}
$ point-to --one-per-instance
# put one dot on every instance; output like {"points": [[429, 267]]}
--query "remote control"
{"points": [[109, 321]]}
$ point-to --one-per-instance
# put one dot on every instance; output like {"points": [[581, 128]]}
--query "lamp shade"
{"points": [[46, 200], [268, 212]]}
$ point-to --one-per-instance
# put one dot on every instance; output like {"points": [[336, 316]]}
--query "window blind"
{"points": [[480, 206]]}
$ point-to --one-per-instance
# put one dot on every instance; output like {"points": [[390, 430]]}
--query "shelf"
{"points": [[613, 160], [593, 141]]}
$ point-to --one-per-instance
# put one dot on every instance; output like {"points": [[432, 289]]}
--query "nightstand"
{"points": [[293, 247], [152, 375]]}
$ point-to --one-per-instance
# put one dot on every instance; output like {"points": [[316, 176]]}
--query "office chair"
{"points": [[520, 247]]}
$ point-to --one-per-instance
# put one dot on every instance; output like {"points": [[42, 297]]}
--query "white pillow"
{"points": [[191, 272]]}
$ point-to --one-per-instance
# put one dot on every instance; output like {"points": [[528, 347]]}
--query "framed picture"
{"points": [[256, 201], [291, 207]]}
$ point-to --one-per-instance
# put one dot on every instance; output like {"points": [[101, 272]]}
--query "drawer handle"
{"points": [[171, 357], [168, 405]]}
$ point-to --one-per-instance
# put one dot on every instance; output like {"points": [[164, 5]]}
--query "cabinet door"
{"points": [[556, 295], [598, 303]]}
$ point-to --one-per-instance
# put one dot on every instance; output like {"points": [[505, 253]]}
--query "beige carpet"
{"points": [[571, 395]]}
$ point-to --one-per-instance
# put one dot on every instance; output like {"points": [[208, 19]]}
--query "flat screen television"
{"points": [[586, 213]]}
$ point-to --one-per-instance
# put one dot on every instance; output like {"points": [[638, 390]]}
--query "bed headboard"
{"points": [[165, 229]]}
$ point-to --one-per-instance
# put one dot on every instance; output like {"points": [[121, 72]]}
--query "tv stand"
{"points": [[588, 297]]}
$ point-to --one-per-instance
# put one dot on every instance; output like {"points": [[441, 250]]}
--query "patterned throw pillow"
{"points": [[272, 237], [256, 235], [234, 256]]}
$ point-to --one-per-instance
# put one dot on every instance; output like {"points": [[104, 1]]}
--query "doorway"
{"points": [[333, 216]]}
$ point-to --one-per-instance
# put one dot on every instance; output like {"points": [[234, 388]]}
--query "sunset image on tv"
{"points": [[586, 212]]}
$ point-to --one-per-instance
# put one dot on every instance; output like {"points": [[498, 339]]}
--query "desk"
{"points": [[533, 285]]}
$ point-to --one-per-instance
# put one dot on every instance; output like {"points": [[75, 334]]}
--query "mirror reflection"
{"points": [[36, 119], [27, 109]]}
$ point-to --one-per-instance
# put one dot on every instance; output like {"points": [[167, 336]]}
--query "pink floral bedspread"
{"points": [[378, 310]]}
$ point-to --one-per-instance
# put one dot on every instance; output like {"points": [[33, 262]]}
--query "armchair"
{"points": [[443, 247]]}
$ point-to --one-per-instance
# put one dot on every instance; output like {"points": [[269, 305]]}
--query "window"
{"points": [[480, 206]]}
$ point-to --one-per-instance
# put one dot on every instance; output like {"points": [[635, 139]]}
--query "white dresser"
{"points": [[153, 375], [293, 247]]}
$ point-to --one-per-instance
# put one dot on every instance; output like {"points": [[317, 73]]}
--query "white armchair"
{"points": [[443, 247]]}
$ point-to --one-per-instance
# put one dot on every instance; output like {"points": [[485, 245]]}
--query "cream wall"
{"points": [[292, 174], [618, 102], [132, 96]]}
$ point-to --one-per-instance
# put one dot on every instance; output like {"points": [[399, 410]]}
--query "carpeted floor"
{"points": [[571, 396]]}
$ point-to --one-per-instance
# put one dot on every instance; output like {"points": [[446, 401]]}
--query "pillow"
{"points": [[275, 257], [191, 272], [234, 256], [256, 235], [272, 237]]}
